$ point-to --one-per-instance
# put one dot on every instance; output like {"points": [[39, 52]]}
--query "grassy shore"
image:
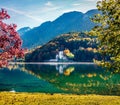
{"points": [[8, 98]]}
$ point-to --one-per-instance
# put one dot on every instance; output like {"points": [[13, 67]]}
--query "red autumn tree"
{"points": [[10, 42]]}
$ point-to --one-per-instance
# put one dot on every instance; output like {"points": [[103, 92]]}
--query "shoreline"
{"points": [[55, 63]]}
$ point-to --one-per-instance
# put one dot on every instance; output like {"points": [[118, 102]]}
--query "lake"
{"points": [[70, 78]]}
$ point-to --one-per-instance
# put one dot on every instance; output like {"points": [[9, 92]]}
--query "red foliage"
{"points": [[10, 42]]}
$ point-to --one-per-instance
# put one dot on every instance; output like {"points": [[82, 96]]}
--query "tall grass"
{"points": [[8, 98]]}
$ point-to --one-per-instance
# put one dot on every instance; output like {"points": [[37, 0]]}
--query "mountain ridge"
{"points": [[21, 31], [68, 22]]}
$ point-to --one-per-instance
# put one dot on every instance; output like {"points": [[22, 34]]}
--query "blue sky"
{"points": [[34, 12]]}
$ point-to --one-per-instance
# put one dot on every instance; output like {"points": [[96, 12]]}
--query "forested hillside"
{"points": [[75, 46]]}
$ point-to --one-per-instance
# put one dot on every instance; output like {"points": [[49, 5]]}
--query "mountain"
{"points": [[70, 46], [23, 30], [68, 22]]}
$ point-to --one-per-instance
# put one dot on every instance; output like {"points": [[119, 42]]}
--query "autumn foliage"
{"points": [[10, 42]]}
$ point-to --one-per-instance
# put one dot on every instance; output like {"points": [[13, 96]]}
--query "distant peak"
{"points": [[69, 15], [21, 31], [24, 28], [72, 12], [45, 24], [92, 11]]}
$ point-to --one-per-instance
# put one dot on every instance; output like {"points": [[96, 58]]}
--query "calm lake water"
{"points": [[59, 78]]}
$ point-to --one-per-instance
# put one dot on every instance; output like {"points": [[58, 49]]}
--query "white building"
{"points": [[60, 56]]}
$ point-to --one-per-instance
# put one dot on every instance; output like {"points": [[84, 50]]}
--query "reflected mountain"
{"points": [[60, 78], [78, 79], [17, 78]]}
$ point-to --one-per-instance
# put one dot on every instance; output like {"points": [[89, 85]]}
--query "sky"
{"points": [[32, 13]]}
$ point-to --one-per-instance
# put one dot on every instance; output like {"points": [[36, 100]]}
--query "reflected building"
{"points": [[61, 68]]}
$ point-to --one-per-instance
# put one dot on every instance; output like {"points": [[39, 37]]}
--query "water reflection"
{"points": [[71, 78], [64, 69], [80, 79], [16, 78]]}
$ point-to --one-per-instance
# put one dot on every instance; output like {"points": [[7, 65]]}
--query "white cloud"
{"points": [[49, 4], [24, 13], [93, 0], [49, 7], [76, 4], [46, 9]]}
